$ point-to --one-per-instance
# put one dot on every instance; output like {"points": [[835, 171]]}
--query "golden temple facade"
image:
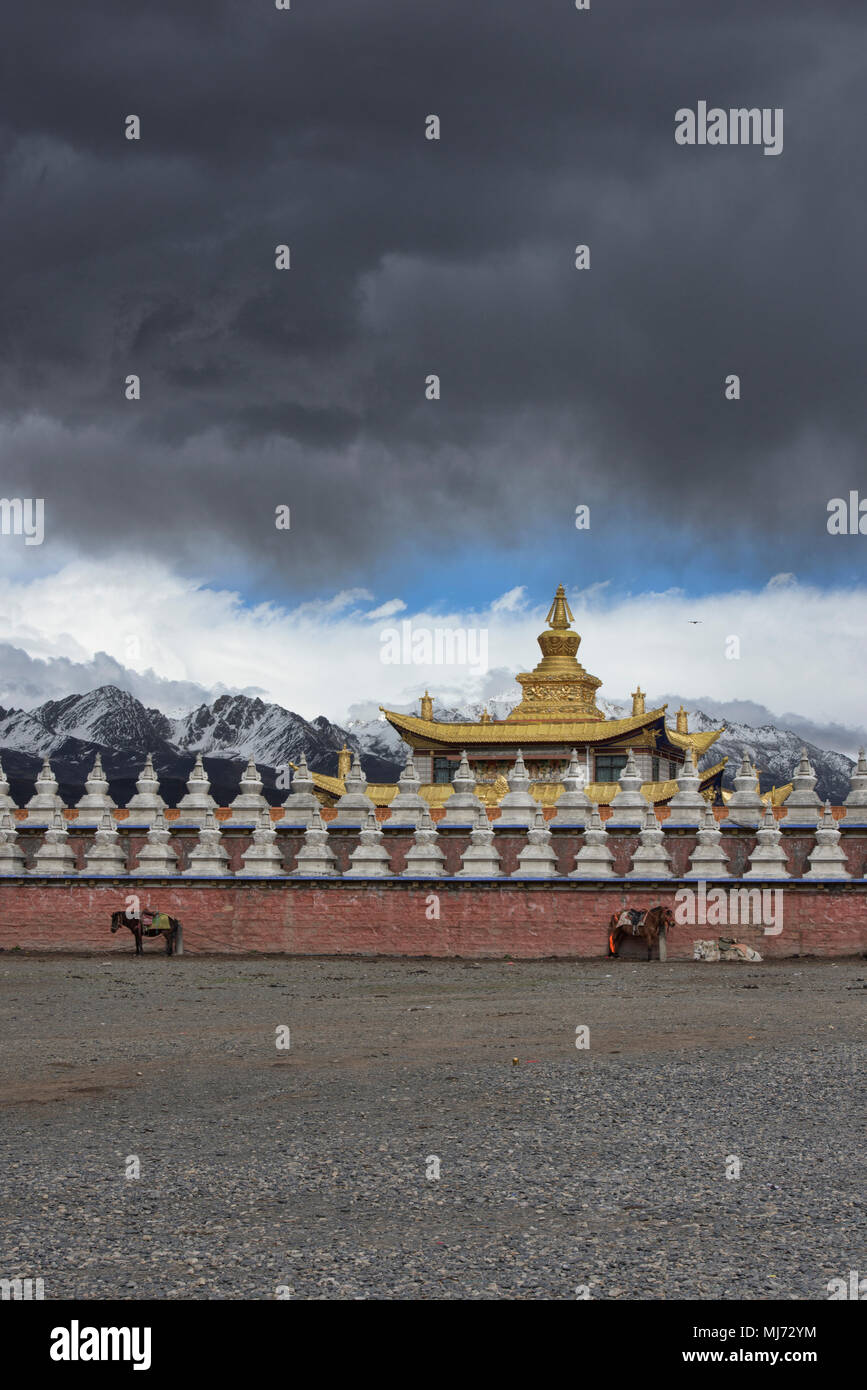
{"points": [[557, 713]]}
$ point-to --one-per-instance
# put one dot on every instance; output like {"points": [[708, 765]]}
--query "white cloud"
{"points": [[801, 648], [387, 610], [511, 602]]}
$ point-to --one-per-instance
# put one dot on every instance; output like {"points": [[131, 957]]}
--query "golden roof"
{"points": [[528, 732], [334, 785], [699, 743], [491, 793], [657, 792], [776, 796]]}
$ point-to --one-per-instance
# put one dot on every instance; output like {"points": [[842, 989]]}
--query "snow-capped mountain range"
{"points": [[115, 724], [234, 728]]}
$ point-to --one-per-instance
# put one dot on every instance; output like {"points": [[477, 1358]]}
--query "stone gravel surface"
{"points": [[308, 1172]]}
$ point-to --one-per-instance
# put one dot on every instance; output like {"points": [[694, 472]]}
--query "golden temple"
{"points": [[557, 713]]}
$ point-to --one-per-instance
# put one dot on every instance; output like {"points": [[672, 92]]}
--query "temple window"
{"points": [[442, 770], [609, 766]]}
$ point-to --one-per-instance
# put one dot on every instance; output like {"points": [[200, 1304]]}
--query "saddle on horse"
{"points": [[632, 920], [153, 923]]}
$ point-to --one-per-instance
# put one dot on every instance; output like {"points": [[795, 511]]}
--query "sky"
{"points": [[161, 567]]}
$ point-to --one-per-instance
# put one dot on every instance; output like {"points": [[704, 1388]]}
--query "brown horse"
{"points": [[651, 926], [142, 926]]}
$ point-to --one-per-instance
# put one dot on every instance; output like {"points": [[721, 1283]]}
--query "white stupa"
{"points": [[96, 800], [301, 806], [518, 806], [424, 858], [55, 855], [407, 807], [156, 858], [594, 859], [538, 858], [6, 802], [651, 858], [708, 859], [827, 859], [480, 859], [354, 806], [315, 858], [629, 807], [147, 804], [687, 806], [573, 804], [42, 806], [11, 853], [370, 858], [198, 804], [262, 858], [768, 859], [105, 856], [463, 806], [249, 804], [745, 806], [856, 801], [208, 857], [803, 807]]}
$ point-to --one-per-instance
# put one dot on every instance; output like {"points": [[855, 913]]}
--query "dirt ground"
{"points": [[308, 1170]]}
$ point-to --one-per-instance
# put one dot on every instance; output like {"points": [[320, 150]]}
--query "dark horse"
{"points": [[651, 925], [142, 926]]}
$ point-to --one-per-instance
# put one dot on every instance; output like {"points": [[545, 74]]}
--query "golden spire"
{"points": [[486, 718], [558, 687], [682, 724], [344, 762], [426, 706], [560, 614], [638, 697]]}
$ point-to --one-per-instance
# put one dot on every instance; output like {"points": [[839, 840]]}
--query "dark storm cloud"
{"points": [[411, 257]]}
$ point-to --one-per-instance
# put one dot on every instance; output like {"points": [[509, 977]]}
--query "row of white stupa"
{"points": [[518, 807], [370, 858], [106, 855]]}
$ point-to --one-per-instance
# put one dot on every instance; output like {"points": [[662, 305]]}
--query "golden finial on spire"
{"points": [[682, 724], [426, 706], [560, 614], [638, 697]]}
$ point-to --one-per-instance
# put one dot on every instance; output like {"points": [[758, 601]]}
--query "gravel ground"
{"points": [[307, 1169]]}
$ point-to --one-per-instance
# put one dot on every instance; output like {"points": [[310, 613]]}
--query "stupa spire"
{"points": [[560, 614], [558, 687]]}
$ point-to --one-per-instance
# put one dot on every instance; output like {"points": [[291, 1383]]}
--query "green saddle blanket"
{"points": [[161, 921]]}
